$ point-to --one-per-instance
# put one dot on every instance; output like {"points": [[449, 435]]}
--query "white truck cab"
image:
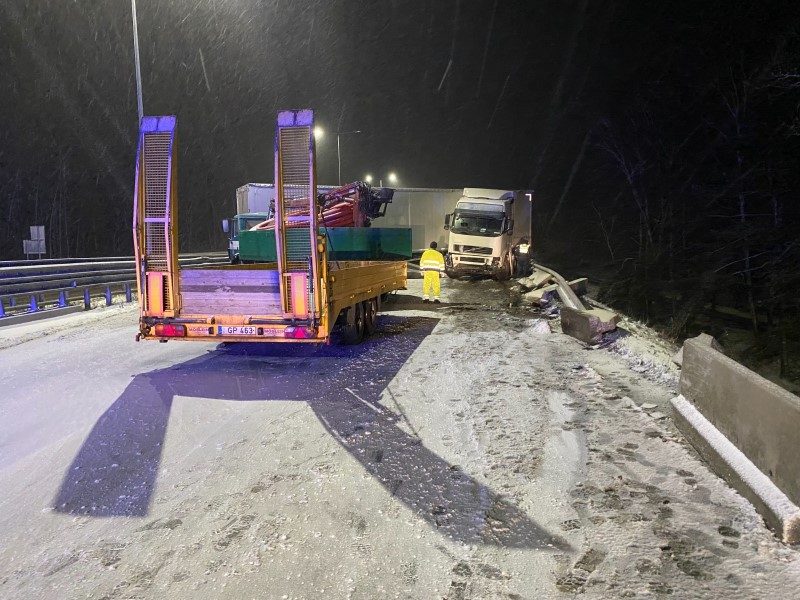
{"points": [[485, 228]]}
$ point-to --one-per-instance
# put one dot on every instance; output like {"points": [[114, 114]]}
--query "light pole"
{"points": [[338, 150], [136, 58]]}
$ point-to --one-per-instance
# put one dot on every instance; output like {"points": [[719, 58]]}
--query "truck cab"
{"points": [[483, 232], [237, 224]]}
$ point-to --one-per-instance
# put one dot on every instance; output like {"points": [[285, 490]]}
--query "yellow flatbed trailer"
{"points": [[299, 298]]}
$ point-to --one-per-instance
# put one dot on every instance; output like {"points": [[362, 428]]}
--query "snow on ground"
{"points": [[463, 452]]}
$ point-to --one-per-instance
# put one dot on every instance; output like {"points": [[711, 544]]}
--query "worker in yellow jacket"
{"points": [[432, 265]]}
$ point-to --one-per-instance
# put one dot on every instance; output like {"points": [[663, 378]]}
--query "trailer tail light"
{"points": [[300, 333], [170, 330]]}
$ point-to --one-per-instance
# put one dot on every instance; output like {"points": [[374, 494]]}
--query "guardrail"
{"points": [[36, 286]]}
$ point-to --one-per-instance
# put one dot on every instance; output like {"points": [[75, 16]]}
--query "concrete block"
{"points": [[536, 280], [588, 326], [542, 295], [704, 339], [759, 417], [779, 512]]}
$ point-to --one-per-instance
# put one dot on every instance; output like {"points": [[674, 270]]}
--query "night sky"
{"points": [[447, 93]]}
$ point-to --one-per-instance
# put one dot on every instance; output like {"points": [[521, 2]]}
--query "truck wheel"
{"points": [[370, 315], [504, 274], [353, 330], [451, 274]]}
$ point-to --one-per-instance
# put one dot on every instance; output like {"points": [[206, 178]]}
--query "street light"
{"points": [[392, 178], [338, 150], [136, 59], [368, 178], [319, 132]]}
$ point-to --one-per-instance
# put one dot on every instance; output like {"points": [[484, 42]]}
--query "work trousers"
{"points": [[431, 285]]}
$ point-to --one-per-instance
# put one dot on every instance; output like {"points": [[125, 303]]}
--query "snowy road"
{"points": [[463, 452]]}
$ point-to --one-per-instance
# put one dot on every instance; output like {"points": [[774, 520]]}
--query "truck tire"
{"points": [[451, 274], [370, 315], [504, 274], [353, 329]]}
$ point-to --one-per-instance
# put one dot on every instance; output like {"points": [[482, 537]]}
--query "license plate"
{"points": [[235, 330]]}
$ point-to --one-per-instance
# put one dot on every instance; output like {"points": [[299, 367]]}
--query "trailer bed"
{"points": [[243, 303]]}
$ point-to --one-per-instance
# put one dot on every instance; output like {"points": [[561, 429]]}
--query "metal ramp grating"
{"points": [[296, 214], [157, 149], [296, 187], [155, 242]]}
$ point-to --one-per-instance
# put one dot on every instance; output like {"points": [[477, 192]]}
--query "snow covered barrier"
{"points": [[779, 512], [757, 417]]}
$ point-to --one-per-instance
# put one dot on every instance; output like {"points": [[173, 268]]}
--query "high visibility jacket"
{"points": [[432, 260]]}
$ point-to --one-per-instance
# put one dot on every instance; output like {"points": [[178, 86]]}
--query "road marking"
{"points": [[377, 409]]}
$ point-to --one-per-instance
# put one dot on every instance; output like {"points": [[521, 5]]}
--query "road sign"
{"points": [[35, 245]]}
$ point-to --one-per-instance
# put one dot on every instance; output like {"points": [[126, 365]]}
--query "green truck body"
{"points": [[343, 243]]}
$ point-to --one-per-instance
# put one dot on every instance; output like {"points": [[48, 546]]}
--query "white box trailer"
{"points": [[422, 209], [254, 198]]}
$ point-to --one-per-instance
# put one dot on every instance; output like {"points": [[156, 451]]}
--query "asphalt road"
{"points": [[465, 451]]}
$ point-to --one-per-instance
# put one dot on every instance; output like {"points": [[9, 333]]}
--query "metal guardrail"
{"points": [[92, 259], [28, 288]]}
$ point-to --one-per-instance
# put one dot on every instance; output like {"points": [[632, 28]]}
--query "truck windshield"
{"points": [[250, 223], [470, 222]]}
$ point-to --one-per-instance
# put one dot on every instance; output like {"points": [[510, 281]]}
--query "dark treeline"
{"points": [[702, 228]]}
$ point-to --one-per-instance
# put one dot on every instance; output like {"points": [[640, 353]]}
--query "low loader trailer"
{"points": [[300, 297]]}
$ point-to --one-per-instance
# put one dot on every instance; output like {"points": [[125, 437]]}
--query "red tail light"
{"points": [[300, 333], [170, 330]]}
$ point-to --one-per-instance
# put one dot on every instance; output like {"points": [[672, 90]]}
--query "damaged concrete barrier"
{"points": [[542, 295], [588, 326], [703, 338], [759, 418]]}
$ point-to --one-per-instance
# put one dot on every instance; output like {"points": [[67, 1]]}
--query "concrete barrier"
{"points": [[588, 326], [759, 418], [39, 315]]}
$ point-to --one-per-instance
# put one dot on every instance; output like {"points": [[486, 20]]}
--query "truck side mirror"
{"points": [[447, 221], [226, 225], [510, 226]]}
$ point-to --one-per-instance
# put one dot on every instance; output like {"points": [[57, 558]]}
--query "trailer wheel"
{"points": [[370, 315], [353, 330]]}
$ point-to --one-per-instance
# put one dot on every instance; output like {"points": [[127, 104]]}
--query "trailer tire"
{"points": [[353, 330], [370, 315]]}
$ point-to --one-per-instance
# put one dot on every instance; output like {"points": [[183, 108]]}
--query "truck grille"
{"points": [[476, 250]]}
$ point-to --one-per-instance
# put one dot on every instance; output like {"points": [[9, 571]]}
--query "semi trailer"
{"points": [[301, 296]]}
